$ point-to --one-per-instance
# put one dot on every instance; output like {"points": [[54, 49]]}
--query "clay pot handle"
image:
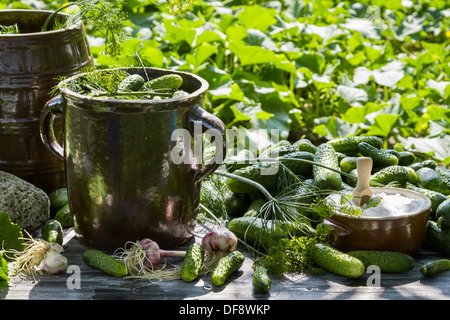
{"points": [[213, 126], [48, 114]]}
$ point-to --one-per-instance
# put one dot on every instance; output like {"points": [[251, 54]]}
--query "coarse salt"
{"points": [[391, 205]]}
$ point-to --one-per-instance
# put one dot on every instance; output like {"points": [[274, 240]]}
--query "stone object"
{"points": [[27, 205]]}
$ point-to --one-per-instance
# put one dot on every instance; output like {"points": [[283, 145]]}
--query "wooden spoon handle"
{"points": [[362, 191]]}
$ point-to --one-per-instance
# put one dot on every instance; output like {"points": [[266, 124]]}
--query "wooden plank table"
{"points": [[94, 284]]}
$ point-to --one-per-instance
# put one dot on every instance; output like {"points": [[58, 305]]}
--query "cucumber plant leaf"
{"points": [[10, 234]]}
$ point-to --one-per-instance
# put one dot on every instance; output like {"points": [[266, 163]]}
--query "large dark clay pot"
{"points": [[125, 179], [31, 64]]}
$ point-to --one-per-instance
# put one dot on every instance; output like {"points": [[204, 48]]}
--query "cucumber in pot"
{"points": [[434, 267], [180, 94], [192, 262], [323, 177], [298, 167], [52, 231], [379, 156], [429, 179], [58, 199], [226, 266], [435, 197], [391, 174], [133, 82], [387, 261], [104, 262], [437, 239], [168, 81], [443, 215], [305, 145], [256, 172], [261, 281], [253, 230], [336, 261], [349, 145]]}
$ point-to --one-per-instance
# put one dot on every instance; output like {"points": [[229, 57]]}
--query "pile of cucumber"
{"points": [[332, 165], [336, 167]]}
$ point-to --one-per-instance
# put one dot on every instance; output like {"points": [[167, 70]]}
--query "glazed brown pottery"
{"points": [[123, 182], [404, 233], [31, 64]]}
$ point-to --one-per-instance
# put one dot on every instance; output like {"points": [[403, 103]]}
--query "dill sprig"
{"points": [[12, 29], [106, 17], [180, 7]]}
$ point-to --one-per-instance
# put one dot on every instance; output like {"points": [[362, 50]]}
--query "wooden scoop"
{"points": [[362, 192]]}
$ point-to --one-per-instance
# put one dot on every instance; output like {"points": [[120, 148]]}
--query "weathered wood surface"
{"points": [[95, 284]]}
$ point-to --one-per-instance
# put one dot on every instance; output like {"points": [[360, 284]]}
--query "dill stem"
{"points": [[54, 13]]}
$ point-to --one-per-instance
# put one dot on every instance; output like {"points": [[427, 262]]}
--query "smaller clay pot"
{"points": [[403, 233]]}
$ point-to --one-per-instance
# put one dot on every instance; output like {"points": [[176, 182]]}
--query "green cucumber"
{"points": [[255, 207], [336, 261], [405, 158], [391, 174], [65, 217], [241, 160], [305, 145], [104, 262], [412, 175], [347, 164], [261, 281], [434, 267], [58, 199], [429, 179], [168, 81], [435, 197], [349, 145], [324, 178], [192, 262], [226, 266], [437, 239], [387, 261], [298, 167], [445, 176], [255, 172], [443, 215], [133, 82], [430, 163], [267, 233], [180, 94], [379, 156], [265, 152], [236, 204], [52, 231]]}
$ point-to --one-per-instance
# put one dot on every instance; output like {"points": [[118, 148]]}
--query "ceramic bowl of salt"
{"points": [[395, 219]]}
